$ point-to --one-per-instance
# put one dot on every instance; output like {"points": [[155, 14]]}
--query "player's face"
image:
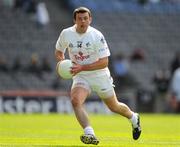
{"points": [[82, 22]]}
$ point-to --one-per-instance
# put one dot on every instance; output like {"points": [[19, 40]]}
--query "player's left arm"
{"points": [[100, 64]]}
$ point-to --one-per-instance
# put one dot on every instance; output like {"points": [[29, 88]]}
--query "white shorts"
{"points": [[101, 84]]}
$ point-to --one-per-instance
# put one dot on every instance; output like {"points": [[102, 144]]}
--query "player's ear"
{"points": [[90, 20], [74, 21]]}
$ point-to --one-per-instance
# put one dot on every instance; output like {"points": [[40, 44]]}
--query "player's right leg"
{"points": [[89, 139], [78, 96]]}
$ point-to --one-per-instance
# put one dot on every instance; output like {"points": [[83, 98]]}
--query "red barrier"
{"points": [[45, 93]]}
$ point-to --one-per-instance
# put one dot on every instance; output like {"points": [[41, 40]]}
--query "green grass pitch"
{"points": [[56, 130]]}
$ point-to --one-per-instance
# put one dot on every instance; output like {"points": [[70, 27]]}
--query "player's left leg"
{"points": [[105, 90], [117, 107]]}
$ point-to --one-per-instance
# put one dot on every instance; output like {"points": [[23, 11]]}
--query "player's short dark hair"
{"points": [[81, 10]]}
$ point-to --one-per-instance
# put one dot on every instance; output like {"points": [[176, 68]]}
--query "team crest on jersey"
{"points": [[79, 44], [81, 56]]}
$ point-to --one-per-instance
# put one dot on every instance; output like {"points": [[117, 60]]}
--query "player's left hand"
{"points": [[76, 68]]}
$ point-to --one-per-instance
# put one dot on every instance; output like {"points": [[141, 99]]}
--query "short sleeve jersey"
{"points": [[83, 48]]}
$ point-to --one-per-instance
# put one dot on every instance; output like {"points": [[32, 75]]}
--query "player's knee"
{"points": [[75, 102]]}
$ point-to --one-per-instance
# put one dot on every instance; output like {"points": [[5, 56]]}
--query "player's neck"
{"points": [[80, 31]]}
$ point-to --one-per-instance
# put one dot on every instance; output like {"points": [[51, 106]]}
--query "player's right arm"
{"points": [[59, 55], [61, 46]]}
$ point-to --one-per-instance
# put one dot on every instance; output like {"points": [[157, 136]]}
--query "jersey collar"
{"points": [[74, 28]]}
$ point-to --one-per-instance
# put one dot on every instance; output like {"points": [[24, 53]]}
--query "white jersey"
{"points": [[84, 48]]}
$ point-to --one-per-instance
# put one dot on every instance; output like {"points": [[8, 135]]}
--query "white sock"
{"points": [[89, 130], [134, 120]]}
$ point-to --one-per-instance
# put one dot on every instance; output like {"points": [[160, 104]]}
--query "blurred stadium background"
{"points": [[145, 33]]}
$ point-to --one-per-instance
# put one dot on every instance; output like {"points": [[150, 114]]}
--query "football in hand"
{"points": [[63, 69]]}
